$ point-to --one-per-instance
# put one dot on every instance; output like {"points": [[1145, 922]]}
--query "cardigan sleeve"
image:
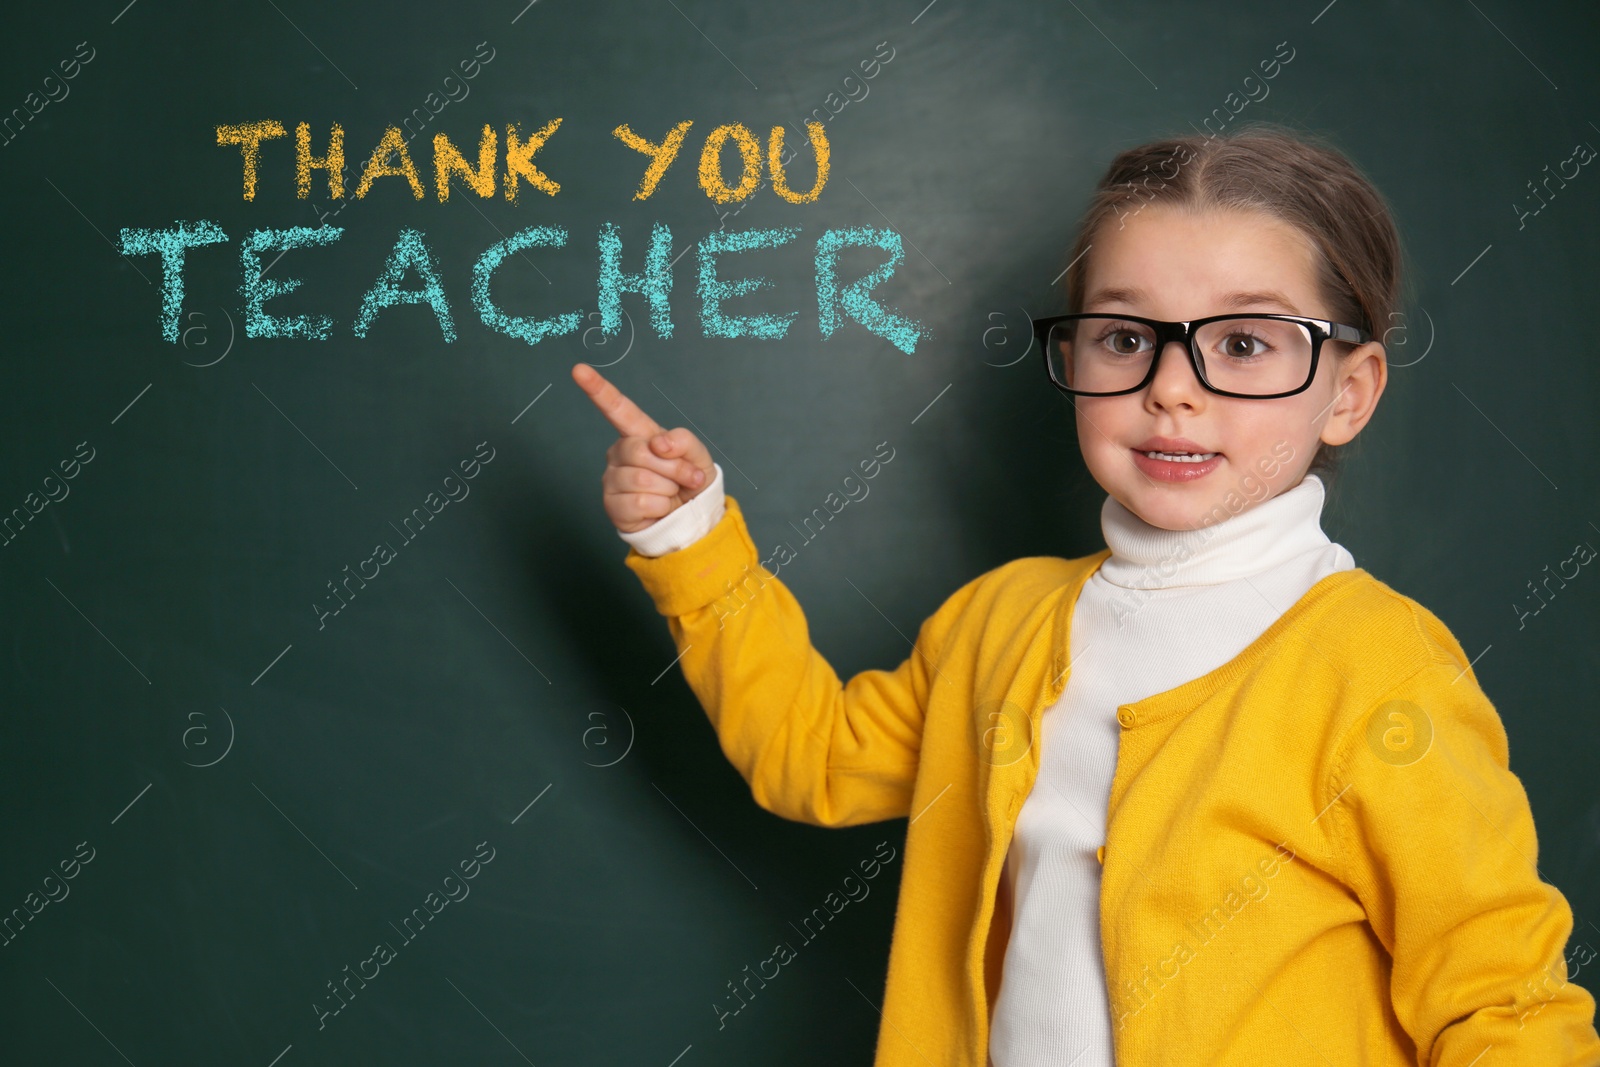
{"points": [[1437, 840], [813, 749]]}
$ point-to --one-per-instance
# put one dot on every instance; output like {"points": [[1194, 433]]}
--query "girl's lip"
{"points": [[1171, 444], [1168, 470]]}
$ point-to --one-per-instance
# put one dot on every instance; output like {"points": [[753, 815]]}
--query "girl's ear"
{"points": [[1359, 383]]}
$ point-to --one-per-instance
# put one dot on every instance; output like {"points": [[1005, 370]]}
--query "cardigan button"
{"points": [[1126, 716], [1100, 854]]}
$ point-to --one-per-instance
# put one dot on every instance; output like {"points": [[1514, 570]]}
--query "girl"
{"points": [[1213, 794]]}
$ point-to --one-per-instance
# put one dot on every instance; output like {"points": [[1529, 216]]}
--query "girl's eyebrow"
{"points": [[1228, 302]]}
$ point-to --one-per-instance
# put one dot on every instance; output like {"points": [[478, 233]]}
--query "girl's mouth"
{"points": [[1176, 466]]}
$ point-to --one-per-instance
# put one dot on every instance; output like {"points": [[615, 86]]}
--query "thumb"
{"points": [[684, 446]]}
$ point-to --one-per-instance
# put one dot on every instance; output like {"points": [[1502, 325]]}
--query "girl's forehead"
{"points": [[1166, 256]]}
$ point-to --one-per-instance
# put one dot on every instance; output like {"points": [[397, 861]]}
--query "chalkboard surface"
{"points": [[244, 746]]}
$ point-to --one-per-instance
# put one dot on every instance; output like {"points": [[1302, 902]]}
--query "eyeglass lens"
{"points": [[1105, 354]]}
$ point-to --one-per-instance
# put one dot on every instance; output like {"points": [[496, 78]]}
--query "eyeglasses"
{"points": [[1256, 357]]}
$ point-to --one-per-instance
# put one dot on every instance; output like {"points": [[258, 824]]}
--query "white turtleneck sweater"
{"points": [[1166, 606]]}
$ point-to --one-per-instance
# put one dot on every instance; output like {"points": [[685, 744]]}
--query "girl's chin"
{"points": [[1170, 506]]}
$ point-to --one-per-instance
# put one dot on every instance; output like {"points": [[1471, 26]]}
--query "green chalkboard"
{"points": [[243, 745]]}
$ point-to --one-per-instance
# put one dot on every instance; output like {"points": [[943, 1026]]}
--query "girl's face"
{"points": [[1167, 263]]}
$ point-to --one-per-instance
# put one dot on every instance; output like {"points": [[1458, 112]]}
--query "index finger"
{"points": [[626, 416]]}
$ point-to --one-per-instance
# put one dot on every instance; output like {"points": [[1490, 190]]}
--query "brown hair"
{"points": [[1299, 178]]}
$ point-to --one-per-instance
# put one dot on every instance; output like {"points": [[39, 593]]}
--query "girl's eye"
{"points": [[1243, 346], [1123, 342]]}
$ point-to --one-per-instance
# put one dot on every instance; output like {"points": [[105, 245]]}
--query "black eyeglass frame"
{"points": [[1183, 332]]}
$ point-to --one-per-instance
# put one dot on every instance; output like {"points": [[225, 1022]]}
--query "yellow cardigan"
{"points": [[1315, 853]]}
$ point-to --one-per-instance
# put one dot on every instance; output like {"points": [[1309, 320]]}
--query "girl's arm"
{"points": [[813, 749], [1441, 850]]}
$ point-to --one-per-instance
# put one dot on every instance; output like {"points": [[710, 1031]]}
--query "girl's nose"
{"points": [[1175, 381]]}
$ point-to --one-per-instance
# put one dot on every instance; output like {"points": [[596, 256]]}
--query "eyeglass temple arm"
{"points": [[1340, 332]]}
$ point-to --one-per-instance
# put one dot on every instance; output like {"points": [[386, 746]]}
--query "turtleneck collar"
{"points": [[1255, 540]]}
